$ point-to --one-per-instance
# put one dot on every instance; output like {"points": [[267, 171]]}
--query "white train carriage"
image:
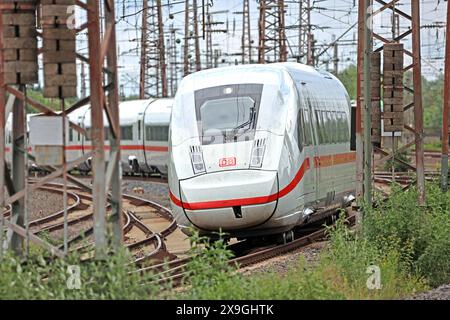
{"points": [[8, 142], [259, 149], [144, 136], [144, 128]]}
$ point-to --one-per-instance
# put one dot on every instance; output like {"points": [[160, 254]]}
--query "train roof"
{"points": [[260, 73], [159, 109]]}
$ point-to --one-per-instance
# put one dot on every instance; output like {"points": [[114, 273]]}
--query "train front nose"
{"points": [[230, 200]]}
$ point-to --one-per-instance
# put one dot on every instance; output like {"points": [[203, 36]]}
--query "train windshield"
{"points": [[227, 113]]}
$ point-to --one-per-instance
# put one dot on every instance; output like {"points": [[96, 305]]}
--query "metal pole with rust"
{"points": [[446, 108], [2, 139], [262, 32], [115, 174], [359, 101], [18, 172], [367, 107], [162, 50], [281, 31], [198, 64], [186, 39], [418, 108], [143, 66], [97, 134]]}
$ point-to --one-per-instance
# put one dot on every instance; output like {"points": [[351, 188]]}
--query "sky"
{"points": [[330, 18]]}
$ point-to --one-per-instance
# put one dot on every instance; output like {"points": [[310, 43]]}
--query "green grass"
{"points": [[410, 246], [433, 146]]}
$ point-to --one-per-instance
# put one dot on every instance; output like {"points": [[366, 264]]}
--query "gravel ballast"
{"points": [[42, 203]]}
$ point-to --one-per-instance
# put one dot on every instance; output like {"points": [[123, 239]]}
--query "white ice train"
{"points": [[144, 129], [257, 150]]}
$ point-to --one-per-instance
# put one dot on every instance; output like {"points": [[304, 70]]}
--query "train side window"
{"points": [[344, 124], [300, 130], [157, 133], [340, 128], [325, 124], [139, 129], [70, 135], [106, 133], [307, 125], [346, 128], [88, 134], [126, 132], [319, 126], [334, 134]]}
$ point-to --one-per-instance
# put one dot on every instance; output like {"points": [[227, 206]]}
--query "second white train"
{"points": [[144, 128]]}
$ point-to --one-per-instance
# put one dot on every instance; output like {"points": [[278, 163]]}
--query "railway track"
{"points": [[173, 272], [149, 228]]}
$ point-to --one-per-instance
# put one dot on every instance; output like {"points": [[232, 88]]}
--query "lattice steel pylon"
{"points": [[272, 36], [211, 27], [172, 58], [103, 99], [191, 38], [305, 37], [153, 68], [246, 40], [409, 49]]}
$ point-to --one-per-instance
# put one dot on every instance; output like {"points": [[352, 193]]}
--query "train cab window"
{"points": [[229, 113], [157, 133], [126, 132]]}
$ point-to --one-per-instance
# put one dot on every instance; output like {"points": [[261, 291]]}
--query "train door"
{"points": [[314, 153], [141, 161], [146, 149], [85, 139]]}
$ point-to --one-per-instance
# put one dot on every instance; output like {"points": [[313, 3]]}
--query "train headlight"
{"points": [[257, 157], [198, 164]]}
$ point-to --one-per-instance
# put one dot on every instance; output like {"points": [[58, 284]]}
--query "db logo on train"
{"points": [[227, 162]]}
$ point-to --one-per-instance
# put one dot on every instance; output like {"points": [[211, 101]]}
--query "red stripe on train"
{"points": [[319, 162], [122, 147], [244, 201]]}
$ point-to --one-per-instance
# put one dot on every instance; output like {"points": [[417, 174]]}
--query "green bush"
{"points": [[409, 244], [208, 267], [339, 273], [398, 167], [421, 235], [41, 278]]}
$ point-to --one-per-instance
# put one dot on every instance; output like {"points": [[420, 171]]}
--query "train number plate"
{"points": [[227, 162]]}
